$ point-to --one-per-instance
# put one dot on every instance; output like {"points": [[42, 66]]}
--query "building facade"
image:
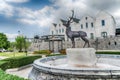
{"points": [[101, 26], [101, 32]]}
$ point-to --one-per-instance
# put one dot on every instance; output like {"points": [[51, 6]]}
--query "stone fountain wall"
{"points": [[42, 71], [46, 75]]}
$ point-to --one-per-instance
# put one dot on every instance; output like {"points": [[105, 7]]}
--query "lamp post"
{"points": [[25, 46]]}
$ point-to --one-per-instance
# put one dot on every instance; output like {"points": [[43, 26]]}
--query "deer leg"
{"points": [[84, 44], [73, 43], [86, 41], [88, 44]]}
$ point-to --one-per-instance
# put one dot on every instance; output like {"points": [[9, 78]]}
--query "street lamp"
{"points": [[25, 45]]}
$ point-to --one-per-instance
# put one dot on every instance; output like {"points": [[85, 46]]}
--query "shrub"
{"points": [[63, 51], [46, 52], [55, 55], [4, 65], [4, 76], [118, 53], [17, 61]]}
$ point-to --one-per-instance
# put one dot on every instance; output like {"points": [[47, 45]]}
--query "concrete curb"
{"points": [[18, 69]]}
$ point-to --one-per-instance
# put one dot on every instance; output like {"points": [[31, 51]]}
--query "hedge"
{"points": [[54, 55], [63, 51], [107, 52], [17, 62], [4, 65], [46, 52], [4, 76]]}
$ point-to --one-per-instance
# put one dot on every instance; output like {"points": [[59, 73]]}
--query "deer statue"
{"points": [[74, 34]]}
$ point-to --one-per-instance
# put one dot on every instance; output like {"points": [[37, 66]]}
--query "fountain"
{"points": [[79, 63]]}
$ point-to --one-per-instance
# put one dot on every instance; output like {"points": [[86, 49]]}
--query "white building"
{"points": [[103, 25]]}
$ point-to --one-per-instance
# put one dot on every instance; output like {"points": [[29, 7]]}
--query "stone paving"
{"points": [[21, 73], [1, 57]]}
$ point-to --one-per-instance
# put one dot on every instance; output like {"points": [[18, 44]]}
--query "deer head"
{"points": [[69, 21]]}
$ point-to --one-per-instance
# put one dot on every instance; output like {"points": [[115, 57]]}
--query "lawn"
{"points": [[12, 54]]}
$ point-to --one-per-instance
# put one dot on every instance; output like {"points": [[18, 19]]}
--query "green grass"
{"points": [[4, 76], [12, 54]]}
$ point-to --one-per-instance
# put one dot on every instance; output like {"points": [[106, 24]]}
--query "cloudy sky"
{"points": [[32, 17]]}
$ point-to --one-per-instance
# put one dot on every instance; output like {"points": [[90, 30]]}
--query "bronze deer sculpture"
{"points": [[74, 34]]}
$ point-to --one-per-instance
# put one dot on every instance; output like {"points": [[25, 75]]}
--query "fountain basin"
{"points": [[56, 68]]}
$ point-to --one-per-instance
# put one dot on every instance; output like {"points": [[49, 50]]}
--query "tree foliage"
{"points": [[12, 46], [21, 43], [4, 43]]}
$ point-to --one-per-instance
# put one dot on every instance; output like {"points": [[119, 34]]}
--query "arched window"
{"points": [[59, 30], [52, 32], [62, 30], [103, 22], [115, 42], [81, 26], [56, 31], [91, 35], [104, 34], [86, 18], [86, 25], [92, 25]]}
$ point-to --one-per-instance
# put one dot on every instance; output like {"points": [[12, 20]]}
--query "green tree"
{"points": [[12, 46], [21, 43], [4, 43]]}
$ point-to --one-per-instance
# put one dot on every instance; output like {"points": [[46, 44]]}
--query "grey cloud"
{"points": [[103, 4], [92, 8]]}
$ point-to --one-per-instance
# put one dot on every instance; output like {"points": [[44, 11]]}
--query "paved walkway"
{"points": [[21, 73], [2, 57]]}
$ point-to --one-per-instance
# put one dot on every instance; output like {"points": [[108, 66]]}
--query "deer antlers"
{"points": [[67, 23], [71, 18]]}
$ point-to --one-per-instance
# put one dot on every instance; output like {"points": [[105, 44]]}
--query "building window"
{"points": [[56, 31], [117, 32], [62, 30], [104, 34], [52, 32], [115, 43], [86, 25], [103, 22], [91, 35], [92, 25], [86, 18], [59, 30], [59, 25], [81, 26]]}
